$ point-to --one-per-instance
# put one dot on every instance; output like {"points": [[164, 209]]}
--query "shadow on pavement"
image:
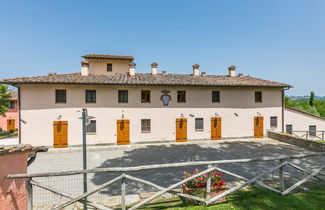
{"points": [[187, 153]]}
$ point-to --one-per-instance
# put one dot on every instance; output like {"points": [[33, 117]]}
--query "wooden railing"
{"points": [[212, 166], [313, 135]]}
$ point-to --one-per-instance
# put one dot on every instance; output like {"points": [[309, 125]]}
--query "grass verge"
{"points": [[254, 198]]}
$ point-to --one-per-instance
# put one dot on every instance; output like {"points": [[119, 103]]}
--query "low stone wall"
{"points": [[300, 142]]}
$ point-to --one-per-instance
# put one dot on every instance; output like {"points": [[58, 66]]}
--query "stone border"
{"points": [[300, 142]]}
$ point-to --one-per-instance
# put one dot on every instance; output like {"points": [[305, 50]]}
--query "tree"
{"points": [[4, 99], [311, 99]]}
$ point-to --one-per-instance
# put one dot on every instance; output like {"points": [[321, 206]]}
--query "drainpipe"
{"points": [[283, 107], [19, 116]]}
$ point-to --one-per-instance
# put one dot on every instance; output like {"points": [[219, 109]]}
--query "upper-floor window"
{"points": [[274, 122], [181, 96], [145, 96], [215, 96], [109, 67], [198, 124], [90, 96], [258, 96], [123, 96], [11, 105], [61, 96], [145, 126], [91, 127]]}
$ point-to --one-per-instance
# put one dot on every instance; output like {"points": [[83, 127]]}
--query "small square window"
{"points": [[109, 67], [60, 96], [91, 127], [123, 96], [181, 96], [274, 122], [145, 96], [198, 124], [145, 125], [216, 96], [11, 105], [90, 96], [258, 97], [289, 129]]}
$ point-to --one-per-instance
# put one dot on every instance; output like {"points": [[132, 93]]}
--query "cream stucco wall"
{"points": [[301, 121], [97, 66], [237, 109]]}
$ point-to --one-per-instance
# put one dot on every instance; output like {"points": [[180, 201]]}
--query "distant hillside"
{"points": [[302, 103], [303, 98]]}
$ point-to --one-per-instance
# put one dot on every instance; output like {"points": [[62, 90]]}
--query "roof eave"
{"points": [[132, 84], [107, 58]]}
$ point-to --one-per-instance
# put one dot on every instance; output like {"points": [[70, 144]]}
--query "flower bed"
{"points": [[197, 186]]}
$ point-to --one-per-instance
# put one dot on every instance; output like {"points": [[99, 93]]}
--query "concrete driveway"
{"points": [[135, 155], [9, 141]]}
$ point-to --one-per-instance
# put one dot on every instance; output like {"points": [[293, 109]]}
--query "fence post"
{"points": [[306, 134], [208, 186], [281, 177], [29, 189], [323, 135], [123, 207]]}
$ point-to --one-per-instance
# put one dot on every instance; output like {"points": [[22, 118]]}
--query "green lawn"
{"points": [[321, 141], [4, 134], [255, 198], [7, 134]]}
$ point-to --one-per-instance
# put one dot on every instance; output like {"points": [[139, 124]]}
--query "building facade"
{"points": [[303, 123], [129, 107], [10, 121]]}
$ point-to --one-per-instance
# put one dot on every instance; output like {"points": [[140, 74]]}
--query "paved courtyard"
{"points": [[135, 155]]}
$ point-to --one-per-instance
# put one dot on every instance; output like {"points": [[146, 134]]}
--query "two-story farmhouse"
{"points": [[131, 107]]}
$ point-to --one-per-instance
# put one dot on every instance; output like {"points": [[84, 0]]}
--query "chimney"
{"points": [[84, 68], [132, 69], [203, 74], [51, 74], [154, 68], [232, 71], [196, 71]]}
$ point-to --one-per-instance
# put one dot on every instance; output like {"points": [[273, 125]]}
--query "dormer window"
{"points": [[109, 67]]}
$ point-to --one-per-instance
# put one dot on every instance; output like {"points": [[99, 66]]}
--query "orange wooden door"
{"points": [[215, 128], [181, 129], [258, 127], [10, 124], [60, 130], [123, 132]]}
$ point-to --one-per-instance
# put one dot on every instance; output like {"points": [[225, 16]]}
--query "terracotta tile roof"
{"points": [[148, 79], [9, 149], [114, 57]]}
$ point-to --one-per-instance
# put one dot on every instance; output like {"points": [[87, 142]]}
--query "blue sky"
{"points": [[281, 40]]}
